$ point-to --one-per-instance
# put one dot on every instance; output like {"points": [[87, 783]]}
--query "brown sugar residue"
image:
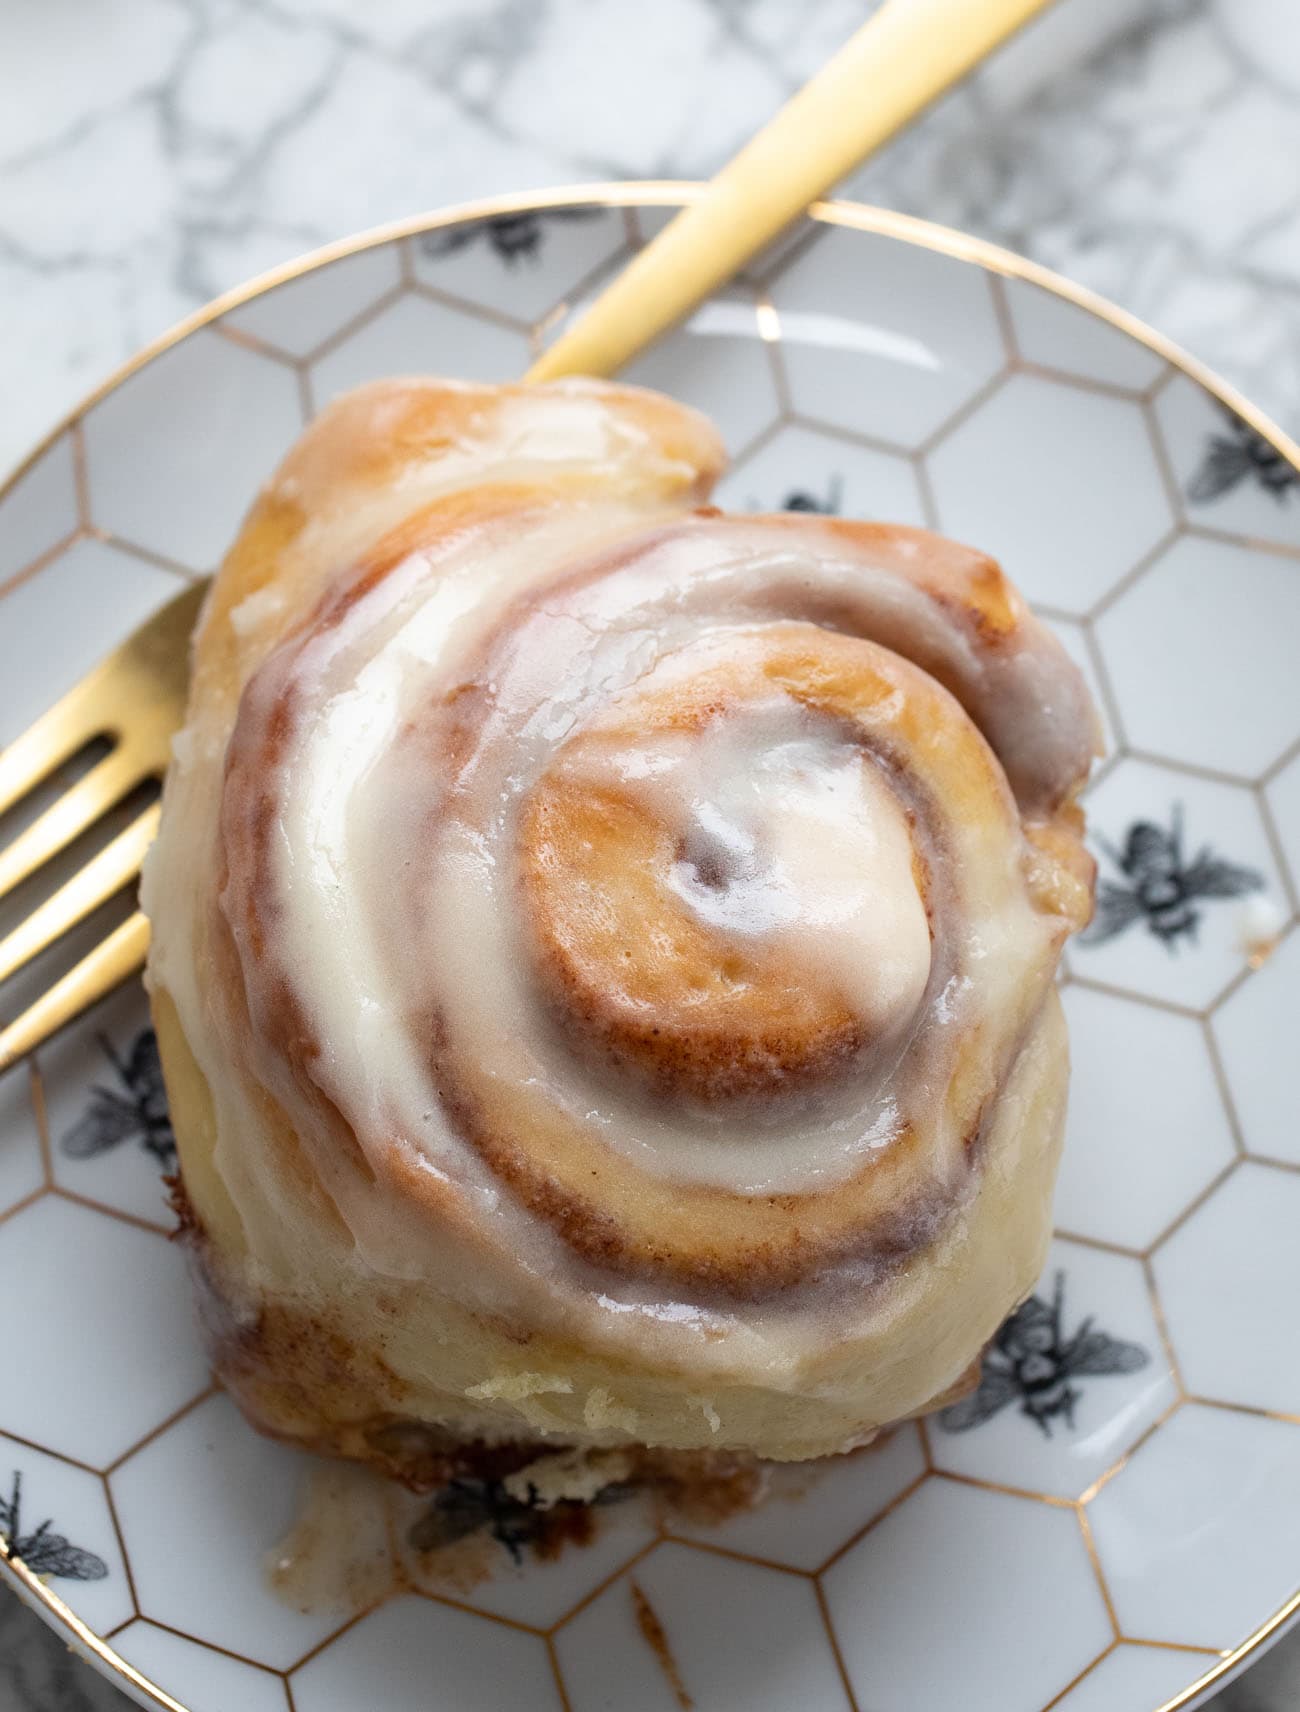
{"points": [[466, 1563], [652, 1631], [1259, 929], [359, 1536], [187, 1222], [456, 1568], [564, 1525], [705, 1487], [338, 1553]]}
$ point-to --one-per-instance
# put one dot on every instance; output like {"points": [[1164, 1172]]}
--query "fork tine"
{"points": [[111, 962], [136, 696], [110, 701], [34, 754], [105, 874], [78, 808]]}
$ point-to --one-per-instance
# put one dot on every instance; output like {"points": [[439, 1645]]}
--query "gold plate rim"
{"points": [[856, 216]]}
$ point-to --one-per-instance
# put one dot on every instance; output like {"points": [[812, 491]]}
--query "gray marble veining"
{"points": [[156, 152]]}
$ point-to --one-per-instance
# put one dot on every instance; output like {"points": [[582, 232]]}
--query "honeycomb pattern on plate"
{"points": [[1130, 1461]]}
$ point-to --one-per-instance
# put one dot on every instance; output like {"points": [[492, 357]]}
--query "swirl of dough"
{"points": [[636, 922]]}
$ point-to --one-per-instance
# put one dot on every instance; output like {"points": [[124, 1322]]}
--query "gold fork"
{"points": [[135, 699], [901, 59]]}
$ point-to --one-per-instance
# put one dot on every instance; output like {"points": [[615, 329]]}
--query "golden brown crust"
{"points": [[678, 1005], [605, 1209], [375, 443], [264, 1347], [492, 1261]]}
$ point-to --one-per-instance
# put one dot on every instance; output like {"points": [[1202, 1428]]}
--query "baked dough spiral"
{"points": [[604, 949]]}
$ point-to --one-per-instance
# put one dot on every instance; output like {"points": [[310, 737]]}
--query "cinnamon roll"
{"points": [[603, 949]]}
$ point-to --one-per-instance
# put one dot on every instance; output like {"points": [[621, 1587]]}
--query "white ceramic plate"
{"points": [[1109, 1526]]}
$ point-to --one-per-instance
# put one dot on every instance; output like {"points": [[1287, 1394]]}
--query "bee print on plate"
{"points": [[510, 237], [1032, 1362], [43, 1551], [136, 1107], [513, 1519], [1242, 454], [803, 499], [1160, 887], [827, 505]]}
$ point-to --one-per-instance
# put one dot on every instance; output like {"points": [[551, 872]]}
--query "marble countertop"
{"points": [[155, 152]]}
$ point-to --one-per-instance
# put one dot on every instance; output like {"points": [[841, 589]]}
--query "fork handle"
{"points": [[902, 59]]}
